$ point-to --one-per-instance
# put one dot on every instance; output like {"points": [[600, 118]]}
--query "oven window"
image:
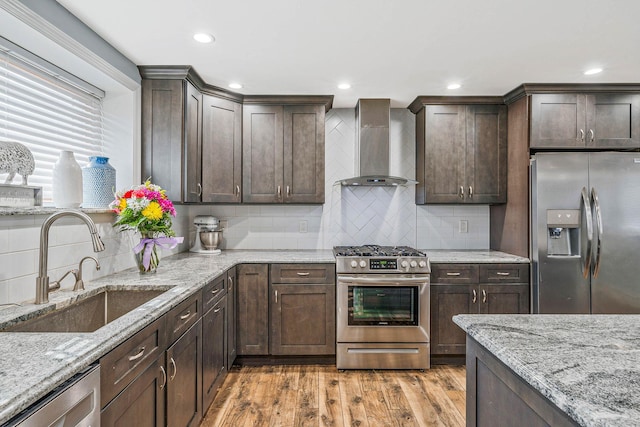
{"points": [[379, 305]]}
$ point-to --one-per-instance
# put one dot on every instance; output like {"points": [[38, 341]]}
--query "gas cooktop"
{"points": [[377, 251]]}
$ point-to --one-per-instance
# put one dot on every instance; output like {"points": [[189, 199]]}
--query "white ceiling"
{"points": [[396, 49]]}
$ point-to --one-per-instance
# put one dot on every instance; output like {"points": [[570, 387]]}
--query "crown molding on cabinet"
{"points": [[419, 103], [327, 100], [530, 88]]}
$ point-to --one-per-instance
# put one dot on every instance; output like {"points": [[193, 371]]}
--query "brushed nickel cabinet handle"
{"points": [[164, 378], [276, 296], [279, 192], [470, 191], [502, 273], [288, 191], [452, 274], [137, 356], [230, 282], [461, 193], [199, 189], [217, 309], [592, 135], [175, 369], [300, 273], [581, 137], [215, 291], [237, 191], [484, 296], [475, 296], [184, 316]]}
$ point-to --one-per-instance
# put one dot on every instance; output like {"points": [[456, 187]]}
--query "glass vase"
{"points": [[154, 259]]}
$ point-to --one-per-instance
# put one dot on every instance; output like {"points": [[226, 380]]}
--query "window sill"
{"points": [[47, 210]]}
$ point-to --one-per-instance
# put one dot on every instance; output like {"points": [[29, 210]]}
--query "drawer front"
{"points": [[181, 317], [213, 291], [303, 273], [454, 273], [504, 273], [125, 362]]}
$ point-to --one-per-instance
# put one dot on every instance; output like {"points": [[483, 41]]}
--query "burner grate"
{"points": [[376, 250]]}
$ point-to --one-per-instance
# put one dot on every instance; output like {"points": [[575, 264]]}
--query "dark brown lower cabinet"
{"points": [[142, 402], [214, 354], [184, 383], [303, 319], [253, 309], [497, 396], [232, 351]]}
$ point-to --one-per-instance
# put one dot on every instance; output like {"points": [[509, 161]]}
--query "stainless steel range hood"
{"points": [[372, 146]]}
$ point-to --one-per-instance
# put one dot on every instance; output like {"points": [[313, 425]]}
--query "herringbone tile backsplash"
{"points": [[354, 216]]}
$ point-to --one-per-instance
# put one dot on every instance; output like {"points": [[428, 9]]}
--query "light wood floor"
{"points": [[319, 395]]}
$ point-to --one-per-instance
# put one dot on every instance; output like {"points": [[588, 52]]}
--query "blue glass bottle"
{"points": [[98, 183]]}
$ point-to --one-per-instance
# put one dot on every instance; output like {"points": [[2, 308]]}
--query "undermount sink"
{"points": [[89, 314]]}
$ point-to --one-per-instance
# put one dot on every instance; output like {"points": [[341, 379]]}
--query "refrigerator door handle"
{"points": [[585, 212], [598, 228]]}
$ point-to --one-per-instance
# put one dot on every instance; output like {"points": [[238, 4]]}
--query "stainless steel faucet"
{"points": [[42, 281]]}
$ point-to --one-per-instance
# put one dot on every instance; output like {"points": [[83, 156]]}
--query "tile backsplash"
{"points": [[349, 216]]}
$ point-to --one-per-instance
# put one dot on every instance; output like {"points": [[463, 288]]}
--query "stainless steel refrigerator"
{"points": [[585, 232]]}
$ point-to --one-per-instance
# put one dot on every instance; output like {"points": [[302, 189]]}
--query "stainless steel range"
{"points": [[382, 307]]}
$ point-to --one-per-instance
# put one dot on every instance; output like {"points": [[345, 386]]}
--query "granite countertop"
{"points": [[33, 364], [472, 256], [587, 365]]}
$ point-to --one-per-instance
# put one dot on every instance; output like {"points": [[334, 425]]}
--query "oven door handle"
{"points": [[383, 281]]}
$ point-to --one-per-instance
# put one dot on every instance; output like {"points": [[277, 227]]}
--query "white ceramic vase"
{"points": [[67, 181]]}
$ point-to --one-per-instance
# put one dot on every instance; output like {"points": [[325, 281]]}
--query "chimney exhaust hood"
{"points": [[372, 146]]}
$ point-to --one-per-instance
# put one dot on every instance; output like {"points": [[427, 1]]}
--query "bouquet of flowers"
{"points": [[147, 210]]}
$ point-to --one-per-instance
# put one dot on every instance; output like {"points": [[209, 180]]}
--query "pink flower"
{"points": [[167, 206], [138, 194]]}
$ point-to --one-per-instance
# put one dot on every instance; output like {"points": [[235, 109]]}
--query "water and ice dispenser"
{"points": [[563, 232]]}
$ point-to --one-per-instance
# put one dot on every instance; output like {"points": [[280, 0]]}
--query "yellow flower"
{"points": [[123, 204], [153, 211]]}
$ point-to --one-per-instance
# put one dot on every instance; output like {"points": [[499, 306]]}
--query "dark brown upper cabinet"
{"points": [[461, 150], [283, 149], [585, 120]]}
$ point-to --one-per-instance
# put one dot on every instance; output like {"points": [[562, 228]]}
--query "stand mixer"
{"points": [[208, 235]]}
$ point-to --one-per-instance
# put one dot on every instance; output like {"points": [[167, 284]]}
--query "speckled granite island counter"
{"points": [[33, 364], [586, 366]]}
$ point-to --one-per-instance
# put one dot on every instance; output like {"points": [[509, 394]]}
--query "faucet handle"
{"points": [[79, 286], [56, 285]]}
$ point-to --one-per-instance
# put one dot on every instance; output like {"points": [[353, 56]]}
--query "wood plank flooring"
{"points": [[319, 395]]}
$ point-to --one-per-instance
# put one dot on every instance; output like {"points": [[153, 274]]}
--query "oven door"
{"points": [[379, 308]]}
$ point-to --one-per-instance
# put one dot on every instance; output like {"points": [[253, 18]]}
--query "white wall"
{"points": [[376, 215]]}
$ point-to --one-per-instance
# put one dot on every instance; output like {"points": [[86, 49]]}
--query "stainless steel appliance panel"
{"points": [[558, 283], [614, 180], [382, 356]]}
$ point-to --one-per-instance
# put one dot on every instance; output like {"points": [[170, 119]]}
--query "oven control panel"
{"points": [[382, 265]]}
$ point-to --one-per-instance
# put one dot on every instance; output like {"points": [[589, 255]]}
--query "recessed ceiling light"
{"points": [[203, 37], [454, 86], [344, 86], [592, 71], [235, 85]]}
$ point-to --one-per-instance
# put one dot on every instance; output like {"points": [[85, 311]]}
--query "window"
{"points": [[47, 110]]}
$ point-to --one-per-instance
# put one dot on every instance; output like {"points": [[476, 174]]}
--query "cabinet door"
{"points": [[184, 385], [262, 155], [231, 317], [613, 121], [214, 351], [504, 299], [447, 301], [221, 150], [304, 154], [162, 133], [142, 402], [192, 144], [303, 319], [558, 120], [486, 159], [444, 154], [253, 309]]}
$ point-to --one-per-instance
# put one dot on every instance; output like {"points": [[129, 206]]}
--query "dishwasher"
{"points": [[74, 403]]}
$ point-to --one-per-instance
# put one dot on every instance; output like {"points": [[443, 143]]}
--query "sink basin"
{"points": [[89, 314]]}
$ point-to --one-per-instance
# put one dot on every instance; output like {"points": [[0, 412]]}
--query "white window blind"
{"points": [[47, 114]]}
